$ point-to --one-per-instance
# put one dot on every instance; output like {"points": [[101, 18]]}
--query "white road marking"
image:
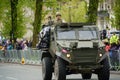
{"points": [[11, 78]]}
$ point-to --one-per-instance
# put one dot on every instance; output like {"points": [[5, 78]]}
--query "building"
{"points": [[105, 14]]}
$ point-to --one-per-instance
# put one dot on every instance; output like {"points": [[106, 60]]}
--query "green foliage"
{"points": [[5, 17], [27, 3], [49, 8], [64, 0], [92, 11], [117, 14], [4, 4], [22, 20], [21, 27], [74, 11], [7, 25]]}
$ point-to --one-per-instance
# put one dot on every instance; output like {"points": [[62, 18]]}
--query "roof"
{"points": [[64, 25]]}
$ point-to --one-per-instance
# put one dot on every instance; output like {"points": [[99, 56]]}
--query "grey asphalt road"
{"points": [[28, 72]]}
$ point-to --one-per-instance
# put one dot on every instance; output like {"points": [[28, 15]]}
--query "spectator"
{"points": [[107, 46], [18, 44], [29, 43], [9, 45], [114, 50], [104, 33], [108, 32], [114, 40], [24, 45]]}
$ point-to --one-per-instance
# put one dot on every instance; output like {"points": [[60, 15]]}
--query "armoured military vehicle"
{"points": [[72, 49]]}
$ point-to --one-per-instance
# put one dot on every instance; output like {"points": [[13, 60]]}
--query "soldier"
{"points": [[48, 21], [58, 19]]}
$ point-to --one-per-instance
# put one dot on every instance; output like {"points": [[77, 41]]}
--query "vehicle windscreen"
{"points": [[66, 34], [78, 33], [88, 34]]}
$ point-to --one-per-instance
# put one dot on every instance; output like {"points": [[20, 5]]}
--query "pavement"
{"points": [[115, 72], [111, 71]]}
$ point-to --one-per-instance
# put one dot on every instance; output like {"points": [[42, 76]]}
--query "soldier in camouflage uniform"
{"points": [[58, 19]]}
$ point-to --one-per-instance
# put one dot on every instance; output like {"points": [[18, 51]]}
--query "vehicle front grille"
{"points": [[84, 55]]}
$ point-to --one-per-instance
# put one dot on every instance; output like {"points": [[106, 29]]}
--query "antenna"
{"points": [[69, 13]]}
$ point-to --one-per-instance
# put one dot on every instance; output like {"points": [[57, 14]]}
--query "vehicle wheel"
{"points": [[86, 75], [104, 72], [60, 69], [47, 68]]}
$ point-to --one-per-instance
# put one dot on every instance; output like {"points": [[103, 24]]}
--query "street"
{"points": [[28, 72]]}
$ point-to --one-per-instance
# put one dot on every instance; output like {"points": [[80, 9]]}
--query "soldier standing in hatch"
{"points": [[58, 19], [48, 21]]}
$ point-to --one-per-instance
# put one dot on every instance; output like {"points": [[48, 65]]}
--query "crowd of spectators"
{"points": [[23, 44], [112, 47], [20, 44]]}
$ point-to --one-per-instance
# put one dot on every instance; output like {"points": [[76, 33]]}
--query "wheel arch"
{"points": [[45, 54], [59, 54]]}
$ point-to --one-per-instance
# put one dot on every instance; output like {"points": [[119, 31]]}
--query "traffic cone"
{"points": [[23, 60]]}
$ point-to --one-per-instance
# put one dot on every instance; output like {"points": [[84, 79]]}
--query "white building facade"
{"points": [[105, 14]]}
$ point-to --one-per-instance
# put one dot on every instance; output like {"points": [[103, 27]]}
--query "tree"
{"points": [[22, 19], [37, 21], [4, 4], [74, 11], [13, 19], [117, 13], [50, 8], [92, 11], [4, 12]]}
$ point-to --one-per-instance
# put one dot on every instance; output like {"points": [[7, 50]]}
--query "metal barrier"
{"points": [[115, 60], [17, 56], [2, 56], [31, 56]]}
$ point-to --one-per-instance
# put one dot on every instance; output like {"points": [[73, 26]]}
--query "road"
{"points": [[28, 72]]}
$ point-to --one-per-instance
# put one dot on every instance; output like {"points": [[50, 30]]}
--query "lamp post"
{"points": [[119, 32], [69, 13], [70, 8]]}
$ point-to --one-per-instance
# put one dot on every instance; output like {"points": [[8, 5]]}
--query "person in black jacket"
{"points": [[44, 38]]}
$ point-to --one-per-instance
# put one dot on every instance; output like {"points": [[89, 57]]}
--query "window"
{"points": [[88, 33], [66, 35]]}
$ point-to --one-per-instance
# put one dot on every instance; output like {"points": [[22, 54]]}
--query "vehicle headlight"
{"points": [[68, 55], [100, 55]]}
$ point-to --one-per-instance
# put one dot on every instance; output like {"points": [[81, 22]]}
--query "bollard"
{"points": [[23, 60]]}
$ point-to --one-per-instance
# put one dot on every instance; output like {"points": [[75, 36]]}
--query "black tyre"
{"points": [[86, 75], [60, 69], [104, 72], [47, 68]]}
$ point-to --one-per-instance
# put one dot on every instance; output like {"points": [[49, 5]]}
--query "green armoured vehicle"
{"points": [[74, 48]]}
